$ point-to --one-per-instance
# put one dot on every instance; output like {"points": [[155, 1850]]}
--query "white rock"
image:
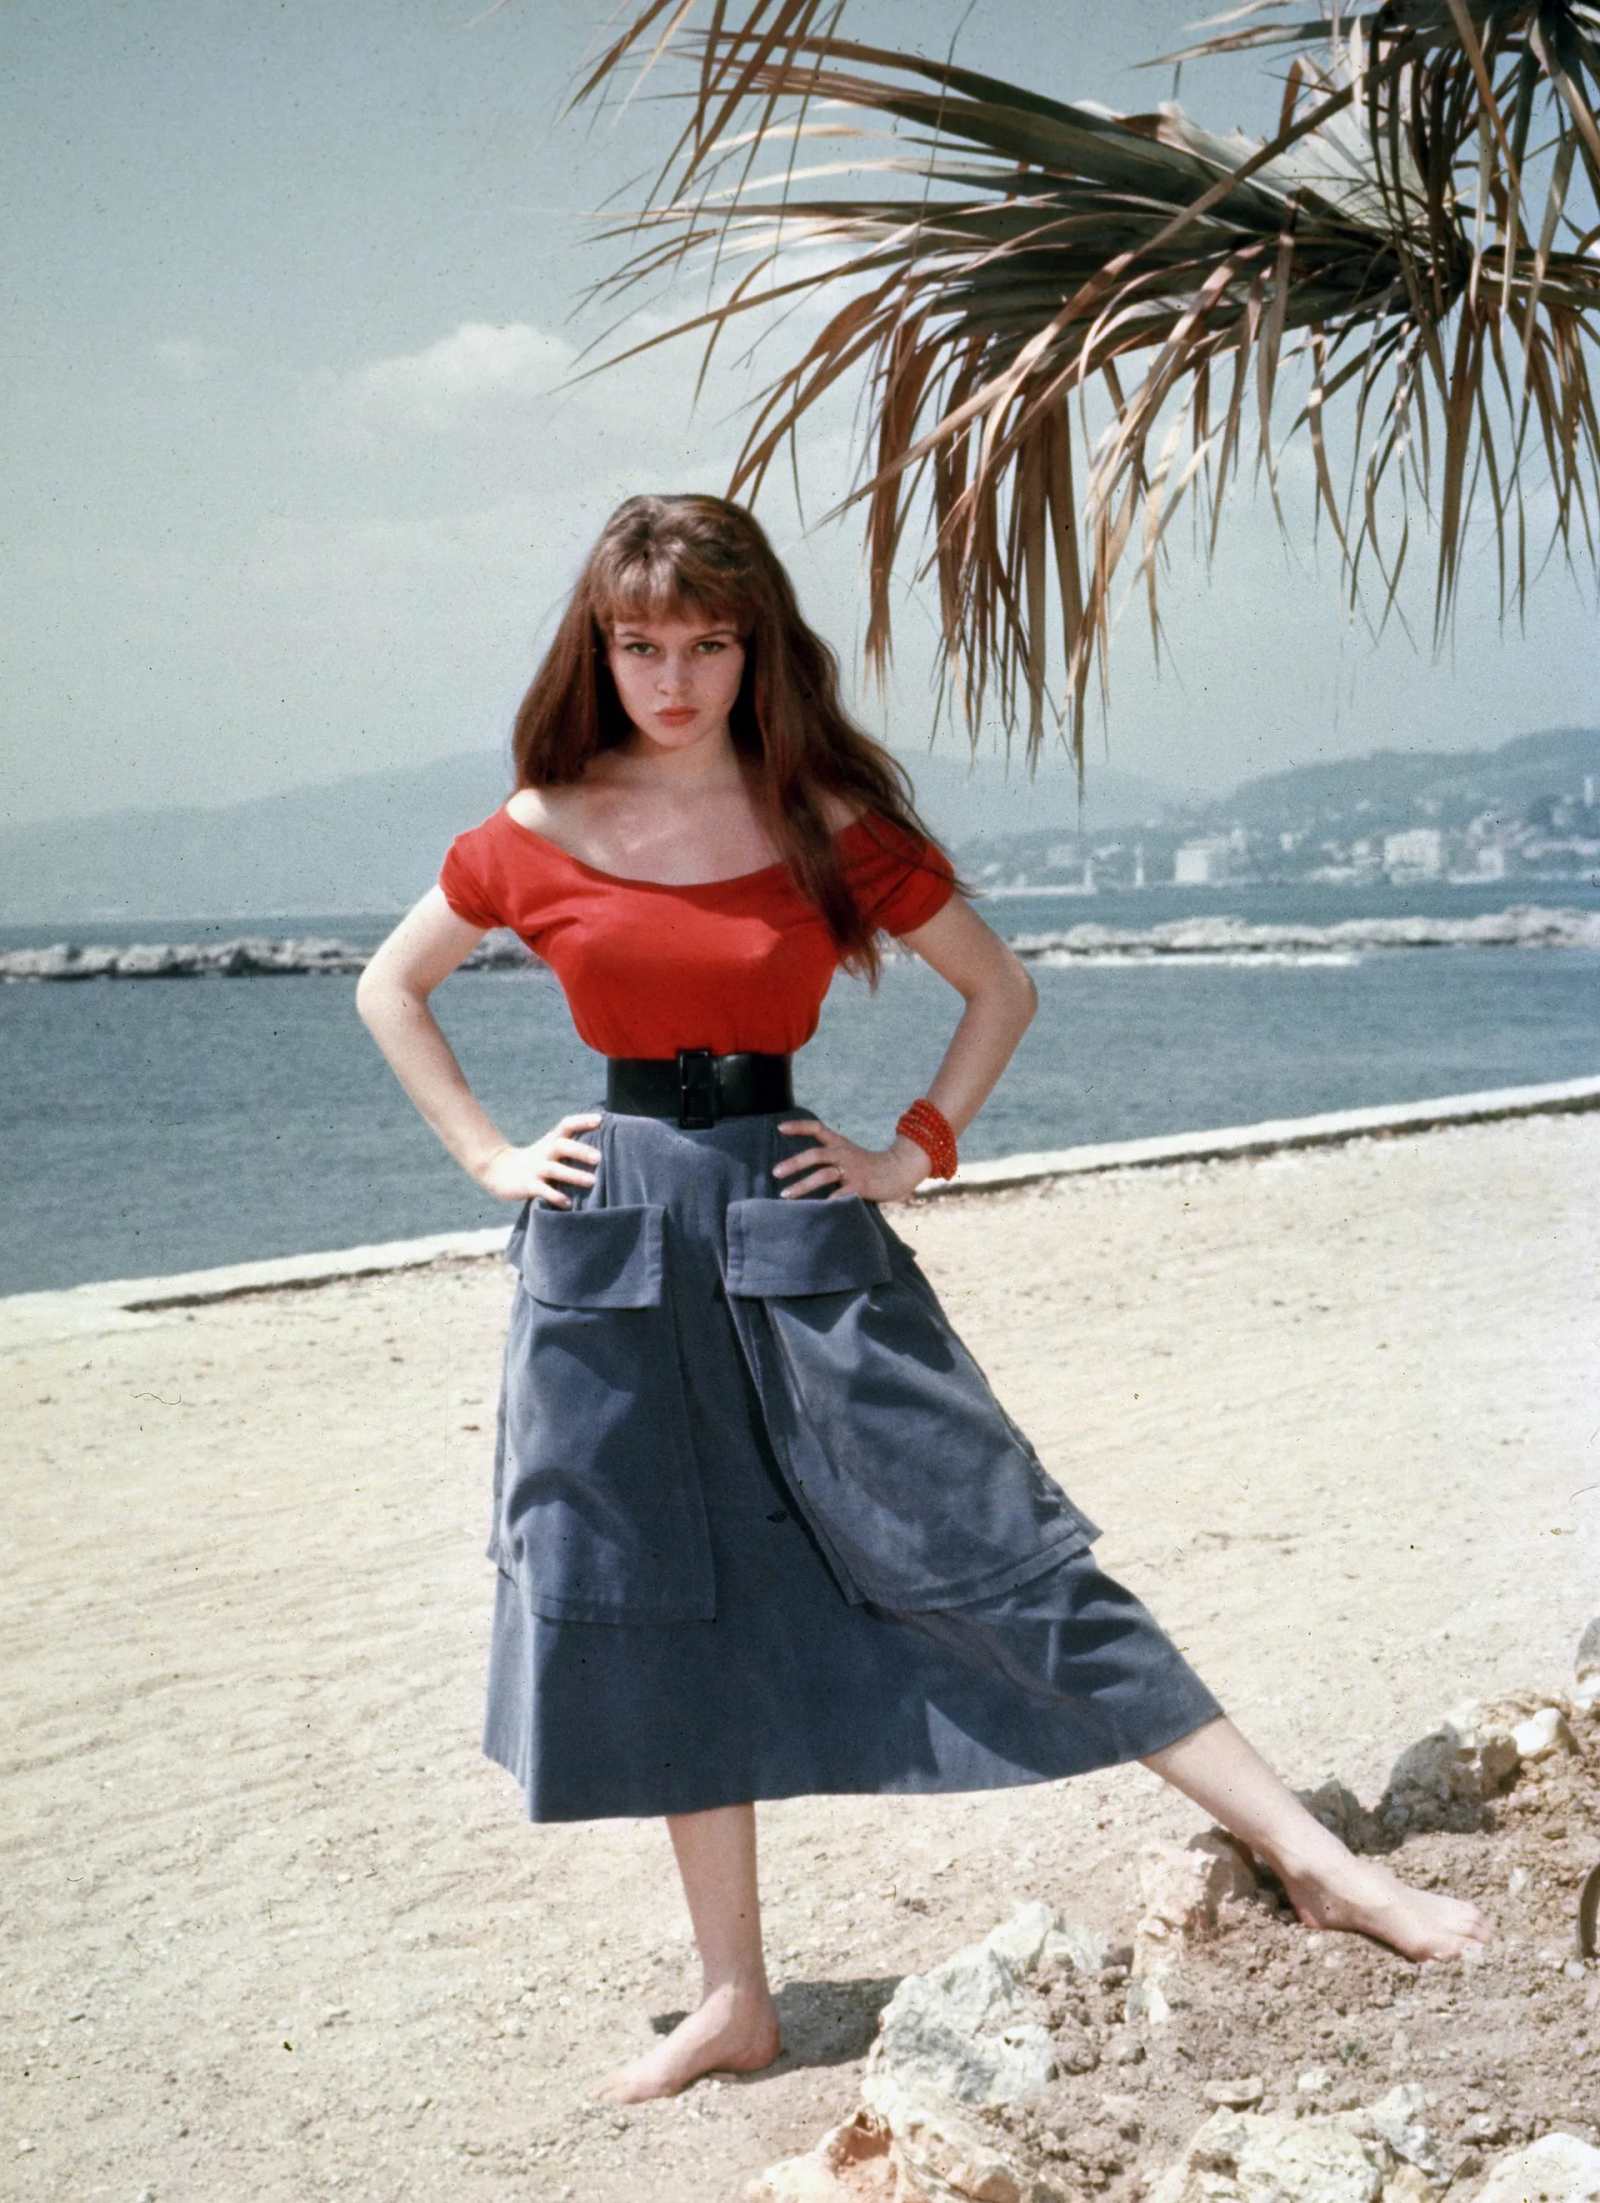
{"points": [[1246, 2157], [1397, 2117], [1314, 2081], [1235, 2095], [1085, 1950], [851, 2164], [1543, 1733], [1021, 1940], [937, 2158], [1558, 2168], [1407, 2185], [1184, 1887], [968, 2031], [1465, 1761], [1586, 1690], [1185, 1884], [1147, 1999]]}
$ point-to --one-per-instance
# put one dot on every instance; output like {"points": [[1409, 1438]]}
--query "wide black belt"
{"points": [[696, 1087]]}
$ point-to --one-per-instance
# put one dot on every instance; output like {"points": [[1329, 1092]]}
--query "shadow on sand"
{"points": [[824, 2022]]}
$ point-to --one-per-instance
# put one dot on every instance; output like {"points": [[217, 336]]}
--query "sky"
{"points": [[297, 476]]}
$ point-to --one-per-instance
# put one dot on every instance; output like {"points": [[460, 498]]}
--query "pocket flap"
{"points": [[778, 1249], [594, 1258]]}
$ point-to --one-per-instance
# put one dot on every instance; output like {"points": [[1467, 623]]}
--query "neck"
{"points": [[709, 763]]}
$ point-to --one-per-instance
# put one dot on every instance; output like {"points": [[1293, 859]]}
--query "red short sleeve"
{"points": [[466, 881], [901, 879]]}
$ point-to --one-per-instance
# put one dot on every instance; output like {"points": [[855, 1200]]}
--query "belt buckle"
{"points": [[697, 1089]]}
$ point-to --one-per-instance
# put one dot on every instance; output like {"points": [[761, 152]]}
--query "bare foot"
{"points": [[735, 2031], [1360, 1897]]}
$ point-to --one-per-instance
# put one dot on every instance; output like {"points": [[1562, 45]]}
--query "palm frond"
{"points": [[1012, 266]]}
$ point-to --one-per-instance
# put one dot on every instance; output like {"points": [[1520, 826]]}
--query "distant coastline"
{"points": [[1526, 814]]}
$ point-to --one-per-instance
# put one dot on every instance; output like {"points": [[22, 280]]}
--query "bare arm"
{"points": [[1000, 999], [392, 997]]}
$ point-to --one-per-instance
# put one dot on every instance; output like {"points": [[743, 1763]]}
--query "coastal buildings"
{"points": [[1527, 812], [1200, 863], [1417, 854]]}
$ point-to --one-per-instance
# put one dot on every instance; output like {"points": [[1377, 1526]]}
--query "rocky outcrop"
{"points": [[972, 2031], [1046, 2065], [851, 2164], [1446, 1778], [1382, 2153], [1185, 1888], [1558, 2168], [973, 2034], [1243, 2157]]}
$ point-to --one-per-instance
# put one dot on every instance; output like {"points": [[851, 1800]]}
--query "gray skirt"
{"points": [[761, 1527]]}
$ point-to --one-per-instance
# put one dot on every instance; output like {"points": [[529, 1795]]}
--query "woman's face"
{"points": [[677, 678]]}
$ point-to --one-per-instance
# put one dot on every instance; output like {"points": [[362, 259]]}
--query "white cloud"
{"points": [[479, 367], [192, 362]]}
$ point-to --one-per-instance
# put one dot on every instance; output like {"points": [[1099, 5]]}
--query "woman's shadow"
{"points": [[824, 2023]]}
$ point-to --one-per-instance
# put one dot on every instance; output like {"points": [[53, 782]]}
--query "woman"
{"points": [[761, 1527]]}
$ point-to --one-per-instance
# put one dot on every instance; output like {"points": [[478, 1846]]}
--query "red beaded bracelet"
{"points": [[929, 1127]]}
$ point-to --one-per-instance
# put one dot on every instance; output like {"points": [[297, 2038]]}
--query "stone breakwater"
{"points": [[1522, 927], [1195, 939], [242, 959]]}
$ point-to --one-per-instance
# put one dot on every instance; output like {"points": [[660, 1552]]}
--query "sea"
{"points": [[153, 1126]]}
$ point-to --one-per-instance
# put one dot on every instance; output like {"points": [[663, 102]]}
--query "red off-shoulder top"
{"points": [[649, 968]]}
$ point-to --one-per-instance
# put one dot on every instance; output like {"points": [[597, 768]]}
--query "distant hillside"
{"points": [[368, 843], [373, 843], [1529, 810], [1406, 787]]}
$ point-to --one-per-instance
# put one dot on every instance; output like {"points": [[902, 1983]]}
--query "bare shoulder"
{"points": [[838, 812], [540, 808], [570, 815]]}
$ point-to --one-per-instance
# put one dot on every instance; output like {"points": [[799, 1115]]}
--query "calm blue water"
{"points": [[151, 1127]]}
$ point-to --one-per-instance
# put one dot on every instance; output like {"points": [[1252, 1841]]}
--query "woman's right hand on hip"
{"points": [[538, 1172]]}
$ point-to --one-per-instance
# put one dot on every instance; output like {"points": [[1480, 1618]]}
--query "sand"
{"points": [[273, 1927]]}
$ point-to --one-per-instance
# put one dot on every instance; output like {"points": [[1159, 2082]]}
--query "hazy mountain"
{"points": [[1449, 788], [374, 842]]}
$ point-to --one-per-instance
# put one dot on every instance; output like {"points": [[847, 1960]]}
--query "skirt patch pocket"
{"points": [[914, 1474], [784, 1248], [598, 1509]]}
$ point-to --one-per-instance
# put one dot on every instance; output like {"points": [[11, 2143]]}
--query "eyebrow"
{"points": [[626, 627]]}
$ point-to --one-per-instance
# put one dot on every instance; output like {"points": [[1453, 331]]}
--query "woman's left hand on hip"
{"points": [[836, 1166]]}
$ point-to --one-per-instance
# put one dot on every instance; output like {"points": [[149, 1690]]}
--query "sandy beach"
{"points": [[275, 1930]]}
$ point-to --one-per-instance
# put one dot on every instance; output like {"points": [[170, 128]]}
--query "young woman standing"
{"points": [[761, 1527]]}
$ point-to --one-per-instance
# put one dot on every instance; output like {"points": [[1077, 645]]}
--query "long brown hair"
{"points": [[660, 557]]}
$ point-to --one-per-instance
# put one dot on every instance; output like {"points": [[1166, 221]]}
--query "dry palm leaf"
{"points": [[1012, 257]]}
